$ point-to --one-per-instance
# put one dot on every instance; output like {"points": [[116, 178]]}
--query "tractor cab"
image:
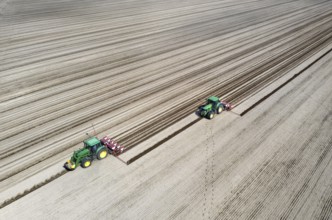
{"points": [[213, 100], [92, 144]]}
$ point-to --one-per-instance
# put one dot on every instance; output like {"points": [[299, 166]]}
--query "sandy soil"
{"points": [[69, 64], [274, 162]]}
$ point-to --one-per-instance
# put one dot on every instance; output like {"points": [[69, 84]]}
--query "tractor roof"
{"points": [[92, 141], [213, 99]]}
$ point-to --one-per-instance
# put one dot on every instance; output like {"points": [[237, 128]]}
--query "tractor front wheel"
{"points": [[210, 115], [86, 162], [69, 166], [102, 154]]}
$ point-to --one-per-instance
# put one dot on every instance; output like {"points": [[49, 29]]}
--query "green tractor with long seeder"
{"points": [[212, 107], [93, 149]]}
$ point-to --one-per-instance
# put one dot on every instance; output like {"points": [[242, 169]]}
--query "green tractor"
{"points": [[212, 107], [93, 148]]}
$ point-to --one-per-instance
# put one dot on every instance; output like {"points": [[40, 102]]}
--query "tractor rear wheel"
{"points": [[210, 115], [102, 154], [86, 162], [219, 109]]}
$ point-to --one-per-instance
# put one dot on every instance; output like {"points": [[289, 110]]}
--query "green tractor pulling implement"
{"points": [[93, 149], [212, 107]]}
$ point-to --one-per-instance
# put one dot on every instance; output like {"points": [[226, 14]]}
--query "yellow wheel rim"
{"points": [[73, 166], [87, 163], [103, 154]]}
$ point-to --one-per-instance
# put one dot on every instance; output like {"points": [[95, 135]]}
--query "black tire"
{"points": [[69, 168], [210, 115], [102, 154], [86, 162]]}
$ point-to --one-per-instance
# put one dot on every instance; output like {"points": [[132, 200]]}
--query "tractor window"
{"points": [[94, 148], [212, 102]]}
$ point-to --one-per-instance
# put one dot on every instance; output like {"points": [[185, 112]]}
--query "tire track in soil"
{"points": [[209, 189], [206, 172], [212, 176]]}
